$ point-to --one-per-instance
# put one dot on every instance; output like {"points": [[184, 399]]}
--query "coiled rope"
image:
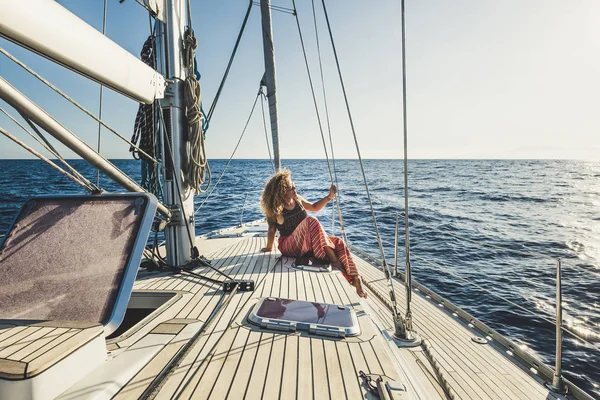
{"points": [[145, 129], [197, 163]]}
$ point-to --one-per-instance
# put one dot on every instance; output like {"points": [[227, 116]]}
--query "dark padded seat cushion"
{"points": [[65, 258]]}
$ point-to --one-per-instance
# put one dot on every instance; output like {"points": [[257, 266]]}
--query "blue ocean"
{"points": [[485, 234]]}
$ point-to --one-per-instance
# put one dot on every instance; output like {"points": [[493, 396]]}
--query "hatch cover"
{"points": [[316, 318]]}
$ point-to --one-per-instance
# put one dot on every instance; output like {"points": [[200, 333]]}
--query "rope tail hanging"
{"points": [[196, 166], [144, 131]]}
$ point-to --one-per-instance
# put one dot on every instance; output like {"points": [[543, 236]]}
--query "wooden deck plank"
{"points": [[244, 370], [289, 382], [215, 347], [50, 345], [21, 334], [191, 371], [7, 333], [257, 380], [334, 372], [25, 341], [494, 381], [274, 371], [308, 287], [39, 343], [351, 384], [320, 375], [209, 372], [305, 370]]}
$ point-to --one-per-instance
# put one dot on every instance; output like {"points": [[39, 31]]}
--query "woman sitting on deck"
{"points": [[299, 233]]}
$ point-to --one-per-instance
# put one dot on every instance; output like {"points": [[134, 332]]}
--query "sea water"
{"points": [[483, 233]]}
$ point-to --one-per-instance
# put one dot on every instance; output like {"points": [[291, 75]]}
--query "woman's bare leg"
{"points": [[336, 263]]}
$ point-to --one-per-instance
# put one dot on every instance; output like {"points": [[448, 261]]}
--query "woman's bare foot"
{"points": [[358, 285]]}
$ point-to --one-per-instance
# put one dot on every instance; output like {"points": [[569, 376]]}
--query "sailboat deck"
{"points": [[230, 358]]}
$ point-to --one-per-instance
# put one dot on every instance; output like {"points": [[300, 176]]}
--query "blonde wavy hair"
{"points": [[271, 201]]}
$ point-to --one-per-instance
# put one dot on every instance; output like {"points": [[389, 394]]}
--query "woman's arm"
{"points": [[317, 206], [270, 238]]}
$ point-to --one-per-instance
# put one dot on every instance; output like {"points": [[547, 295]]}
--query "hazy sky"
{"points": [[486, 79]]}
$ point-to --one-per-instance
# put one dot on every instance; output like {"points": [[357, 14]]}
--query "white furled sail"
{"points": [[49, 29]]}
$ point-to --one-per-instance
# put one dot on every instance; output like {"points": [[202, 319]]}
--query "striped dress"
{"points": [[301, 234]]}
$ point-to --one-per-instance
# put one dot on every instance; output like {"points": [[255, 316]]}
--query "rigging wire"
{"points": [[100, 101], [46, 160], [377, 234], [232, 154], [94, 188], [76, 104], [312, 89], [331, 176], [284, 10], [226, 74], [262, 106], [337, 199], [48, 146]]}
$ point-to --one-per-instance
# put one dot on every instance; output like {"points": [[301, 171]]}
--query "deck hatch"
{"points": [[74, 258], [316, 318]]}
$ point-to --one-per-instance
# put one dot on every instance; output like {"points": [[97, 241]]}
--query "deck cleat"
{"points": [[243, 285]]}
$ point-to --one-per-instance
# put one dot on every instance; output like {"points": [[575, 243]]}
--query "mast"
{"points": [[269, 77], [177, 193]]}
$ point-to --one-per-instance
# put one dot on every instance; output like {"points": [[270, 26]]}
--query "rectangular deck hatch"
{"points": [[74, 258], [316, 318]]}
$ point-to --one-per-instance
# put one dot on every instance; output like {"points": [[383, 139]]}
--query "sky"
{"points": [[485, 79]]}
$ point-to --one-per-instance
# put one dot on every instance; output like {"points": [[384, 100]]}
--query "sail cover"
{"points": [[74, 258]]}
